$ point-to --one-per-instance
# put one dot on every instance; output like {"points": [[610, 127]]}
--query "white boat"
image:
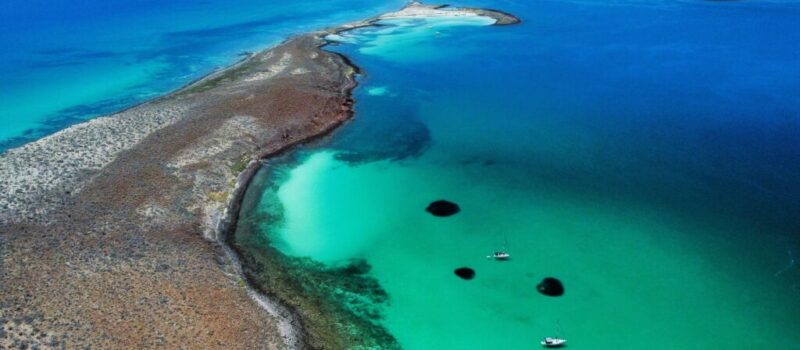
{"points": [[499, 255], [553, 342]]}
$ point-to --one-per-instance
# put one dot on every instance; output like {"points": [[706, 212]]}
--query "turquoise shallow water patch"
{"points": [[409, 39], [621, 269], [585, 143], [33, 110], [378, 91], [346, 238]]}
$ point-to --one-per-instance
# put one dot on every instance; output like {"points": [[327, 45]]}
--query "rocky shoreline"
{"points": [[113, 232]]}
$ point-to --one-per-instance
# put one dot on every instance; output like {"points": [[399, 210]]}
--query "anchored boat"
{"points": [[499, 255], [553, 342]]}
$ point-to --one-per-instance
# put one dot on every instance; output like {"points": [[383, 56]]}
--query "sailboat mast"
{"points": [[560, 331]]}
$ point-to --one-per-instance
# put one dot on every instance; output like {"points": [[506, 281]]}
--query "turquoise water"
{"points": [[644, 153], [67, 61]]}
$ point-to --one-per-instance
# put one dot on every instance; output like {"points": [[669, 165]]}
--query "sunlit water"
{"points": [[644, 153]]}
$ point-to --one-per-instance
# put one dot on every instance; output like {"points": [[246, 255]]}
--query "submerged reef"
{"points": [[402, 138], [339, 306]]}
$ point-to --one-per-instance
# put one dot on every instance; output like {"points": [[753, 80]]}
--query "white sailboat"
{"points": [[501, 254], [554, 342]]}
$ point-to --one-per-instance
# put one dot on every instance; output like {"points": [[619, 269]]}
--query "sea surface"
{"points": [[66, 61], [645, 153]]}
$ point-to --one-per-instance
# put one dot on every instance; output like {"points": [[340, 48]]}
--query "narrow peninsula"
{"points": [[113, 232]]}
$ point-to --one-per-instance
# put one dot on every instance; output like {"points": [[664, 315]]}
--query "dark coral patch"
{"points": [[357, 267], [443, 208], [397, 136], [550, 287], [465, 273]]}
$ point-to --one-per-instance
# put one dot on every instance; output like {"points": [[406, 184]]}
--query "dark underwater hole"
{"points": [[465, 273], [442, 208], [551, 287]]}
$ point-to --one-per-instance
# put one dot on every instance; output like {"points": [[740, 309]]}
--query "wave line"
{"points": [[792, 262]]}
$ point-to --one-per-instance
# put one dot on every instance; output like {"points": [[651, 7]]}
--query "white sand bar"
{"points": [[418, 10]]}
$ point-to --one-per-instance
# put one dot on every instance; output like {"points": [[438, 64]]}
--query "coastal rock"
{"points": [[443, 208], [551, 287], [465, 273]]}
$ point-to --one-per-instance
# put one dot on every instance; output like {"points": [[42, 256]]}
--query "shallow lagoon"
{"points": [[645, 154]]}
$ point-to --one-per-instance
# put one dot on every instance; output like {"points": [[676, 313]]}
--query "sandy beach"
{"points": [[112, 231]]}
